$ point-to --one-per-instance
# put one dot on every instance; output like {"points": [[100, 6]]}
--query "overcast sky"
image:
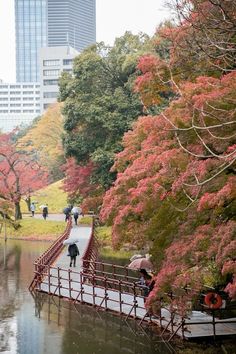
{"points": [[114, 17]]}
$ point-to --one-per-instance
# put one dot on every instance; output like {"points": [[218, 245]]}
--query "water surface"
{"points": [[33, 323]]}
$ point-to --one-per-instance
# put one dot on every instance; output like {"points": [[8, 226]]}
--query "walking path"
{"points": [[68, 282]]}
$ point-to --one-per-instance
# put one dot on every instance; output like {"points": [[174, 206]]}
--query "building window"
{"points": [[28, 86], [3, 86], [51, 72], [50, 94], [4, 93], [67, 61], [28, 92], [14, 98], [37, 92], [28, 104], [15, 111], [51, 62], [27, 99], [14, 92], [3, 105], [3, 111], [28, 111], [50, 82], [15, 105], [14, 86]]}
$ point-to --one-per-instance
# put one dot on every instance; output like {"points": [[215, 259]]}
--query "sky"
{"points": [[114, 17]]}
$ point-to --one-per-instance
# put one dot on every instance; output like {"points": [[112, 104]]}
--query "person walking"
{"points": [[32, 208], [73, 253], [45, 212], [76, 211]]}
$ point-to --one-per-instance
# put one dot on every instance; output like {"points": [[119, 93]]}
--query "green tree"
{"points": [[99, 103]]}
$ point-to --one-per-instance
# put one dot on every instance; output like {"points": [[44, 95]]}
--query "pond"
{"points": [[33, 323]]}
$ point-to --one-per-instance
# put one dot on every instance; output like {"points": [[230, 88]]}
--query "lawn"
{"points": [[52, 195], [36, 229]]}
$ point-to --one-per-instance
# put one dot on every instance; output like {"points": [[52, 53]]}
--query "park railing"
{"points": [[91, 251], [49, 256]]}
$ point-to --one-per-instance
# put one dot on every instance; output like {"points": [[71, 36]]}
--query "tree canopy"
{"points": [[175, 186], [99, 104]]}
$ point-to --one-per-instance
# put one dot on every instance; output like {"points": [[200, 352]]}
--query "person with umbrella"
{"points": [[44, 211], [67, 211], [76, 211], [73, 252], [146, 281]]}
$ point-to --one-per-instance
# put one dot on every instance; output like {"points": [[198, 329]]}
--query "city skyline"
{"points": [[136, 17]]}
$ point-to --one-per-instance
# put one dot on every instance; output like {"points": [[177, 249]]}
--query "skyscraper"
{"points": [[52, 23], [71, 22], [31, 34]]}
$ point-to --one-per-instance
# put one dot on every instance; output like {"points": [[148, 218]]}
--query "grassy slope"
{"points": [[52, 195], [36, 229]]}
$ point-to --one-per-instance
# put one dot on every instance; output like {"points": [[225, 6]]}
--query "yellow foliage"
{"points": [[44, 138]]}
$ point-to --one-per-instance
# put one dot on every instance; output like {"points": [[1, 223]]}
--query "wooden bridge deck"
{"points": [[72, 283]]}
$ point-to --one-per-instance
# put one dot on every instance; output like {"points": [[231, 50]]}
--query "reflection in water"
{"points": [[87, 330], [42, 324]]}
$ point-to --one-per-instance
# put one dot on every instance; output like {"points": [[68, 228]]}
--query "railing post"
{"points": [[49, 280], [59, 281], [93, 283], [69, 280], [214, 324], [120, 297], [81, 286], [105, 286]]}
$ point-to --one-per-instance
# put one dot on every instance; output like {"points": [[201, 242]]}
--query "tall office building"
{"points": [[71, 22], [31, 34], [52, 23]]}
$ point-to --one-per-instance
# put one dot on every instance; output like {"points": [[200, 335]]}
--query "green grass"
{"points": [[52, 195], [35, 229], [103, 234], [85, 220]]}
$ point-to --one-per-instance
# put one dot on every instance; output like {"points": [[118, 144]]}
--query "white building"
{"points": [[53, 61], [19, 104]]}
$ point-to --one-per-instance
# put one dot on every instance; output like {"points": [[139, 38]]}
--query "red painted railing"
{"points": [[49, 256], [90, 253]]}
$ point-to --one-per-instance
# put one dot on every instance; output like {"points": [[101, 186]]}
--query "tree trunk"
{"points": [[18, 214]]}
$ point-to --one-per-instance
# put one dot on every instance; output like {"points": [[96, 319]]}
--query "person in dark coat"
{"points": [[73, 253], [45, 212], [146, 282]]}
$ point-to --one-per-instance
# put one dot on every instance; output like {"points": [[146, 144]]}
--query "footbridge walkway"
{"points": [[112, 287]]}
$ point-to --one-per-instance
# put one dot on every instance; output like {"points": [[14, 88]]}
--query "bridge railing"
{"points": [[91, 251], [49, 256]]}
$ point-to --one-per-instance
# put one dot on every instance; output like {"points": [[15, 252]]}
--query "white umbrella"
{"points": [[76, 210], [43, 206], [70, 241]]}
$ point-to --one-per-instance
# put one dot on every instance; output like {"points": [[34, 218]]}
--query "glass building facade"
{"points": [[31, 35], [52, 23], [71, 22]]}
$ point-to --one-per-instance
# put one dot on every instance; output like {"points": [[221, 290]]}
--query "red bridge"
{"points": [[112, 287]]}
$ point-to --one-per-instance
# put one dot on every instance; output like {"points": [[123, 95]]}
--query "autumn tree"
{"points": [[44, 140], [20, 174], [175, 186]]}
